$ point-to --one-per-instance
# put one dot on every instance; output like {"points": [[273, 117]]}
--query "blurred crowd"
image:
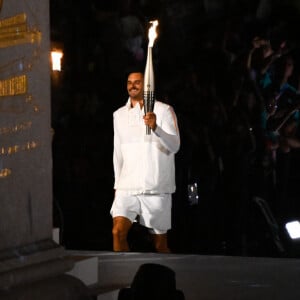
{"points": [[238, 103]]}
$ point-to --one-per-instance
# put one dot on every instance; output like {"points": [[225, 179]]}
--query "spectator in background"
{"points": [[152, 282]]}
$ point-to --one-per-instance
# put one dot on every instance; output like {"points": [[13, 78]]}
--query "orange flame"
{"points": [[152, 33]]}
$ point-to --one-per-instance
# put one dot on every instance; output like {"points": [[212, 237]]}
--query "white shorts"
{"points": [[154, 211]]}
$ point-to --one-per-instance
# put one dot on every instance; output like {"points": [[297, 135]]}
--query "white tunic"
{"points": [[144, 164]]}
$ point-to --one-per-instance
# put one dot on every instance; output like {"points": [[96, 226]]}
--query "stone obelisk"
{"points": [[30, 261]]}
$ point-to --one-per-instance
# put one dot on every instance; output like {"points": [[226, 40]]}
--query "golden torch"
{"points": [[149, 74]]}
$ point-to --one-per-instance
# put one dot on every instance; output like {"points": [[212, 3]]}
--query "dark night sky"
{"points": [[197, 58]]}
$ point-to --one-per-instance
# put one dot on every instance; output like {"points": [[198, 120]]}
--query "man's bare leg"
{"points": [[161, 242], [121, 226]]}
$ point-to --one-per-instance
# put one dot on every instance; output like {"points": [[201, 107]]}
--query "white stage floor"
{"points": [[202, 277]]}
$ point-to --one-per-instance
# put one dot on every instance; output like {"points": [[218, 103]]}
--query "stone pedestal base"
{"points": [[38, 272], [63, 287]]}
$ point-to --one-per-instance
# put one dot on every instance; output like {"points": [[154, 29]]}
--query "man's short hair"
{"points": [[134, 69]]}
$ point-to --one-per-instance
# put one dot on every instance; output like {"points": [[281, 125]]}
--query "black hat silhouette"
{"points": [[152, 282]]}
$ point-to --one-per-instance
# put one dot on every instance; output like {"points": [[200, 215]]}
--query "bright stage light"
{"points": [[293, 229], [56, 57]]}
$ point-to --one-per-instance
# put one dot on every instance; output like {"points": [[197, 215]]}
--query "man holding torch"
{"points": [[146, 138]]}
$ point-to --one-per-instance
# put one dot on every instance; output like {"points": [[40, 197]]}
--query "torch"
{"points": [[149, 74]]}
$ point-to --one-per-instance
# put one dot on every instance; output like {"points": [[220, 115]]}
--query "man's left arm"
{"points": [[168, 132]]}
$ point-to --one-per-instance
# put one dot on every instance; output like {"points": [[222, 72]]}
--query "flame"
{"points": [[152, 33]]}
